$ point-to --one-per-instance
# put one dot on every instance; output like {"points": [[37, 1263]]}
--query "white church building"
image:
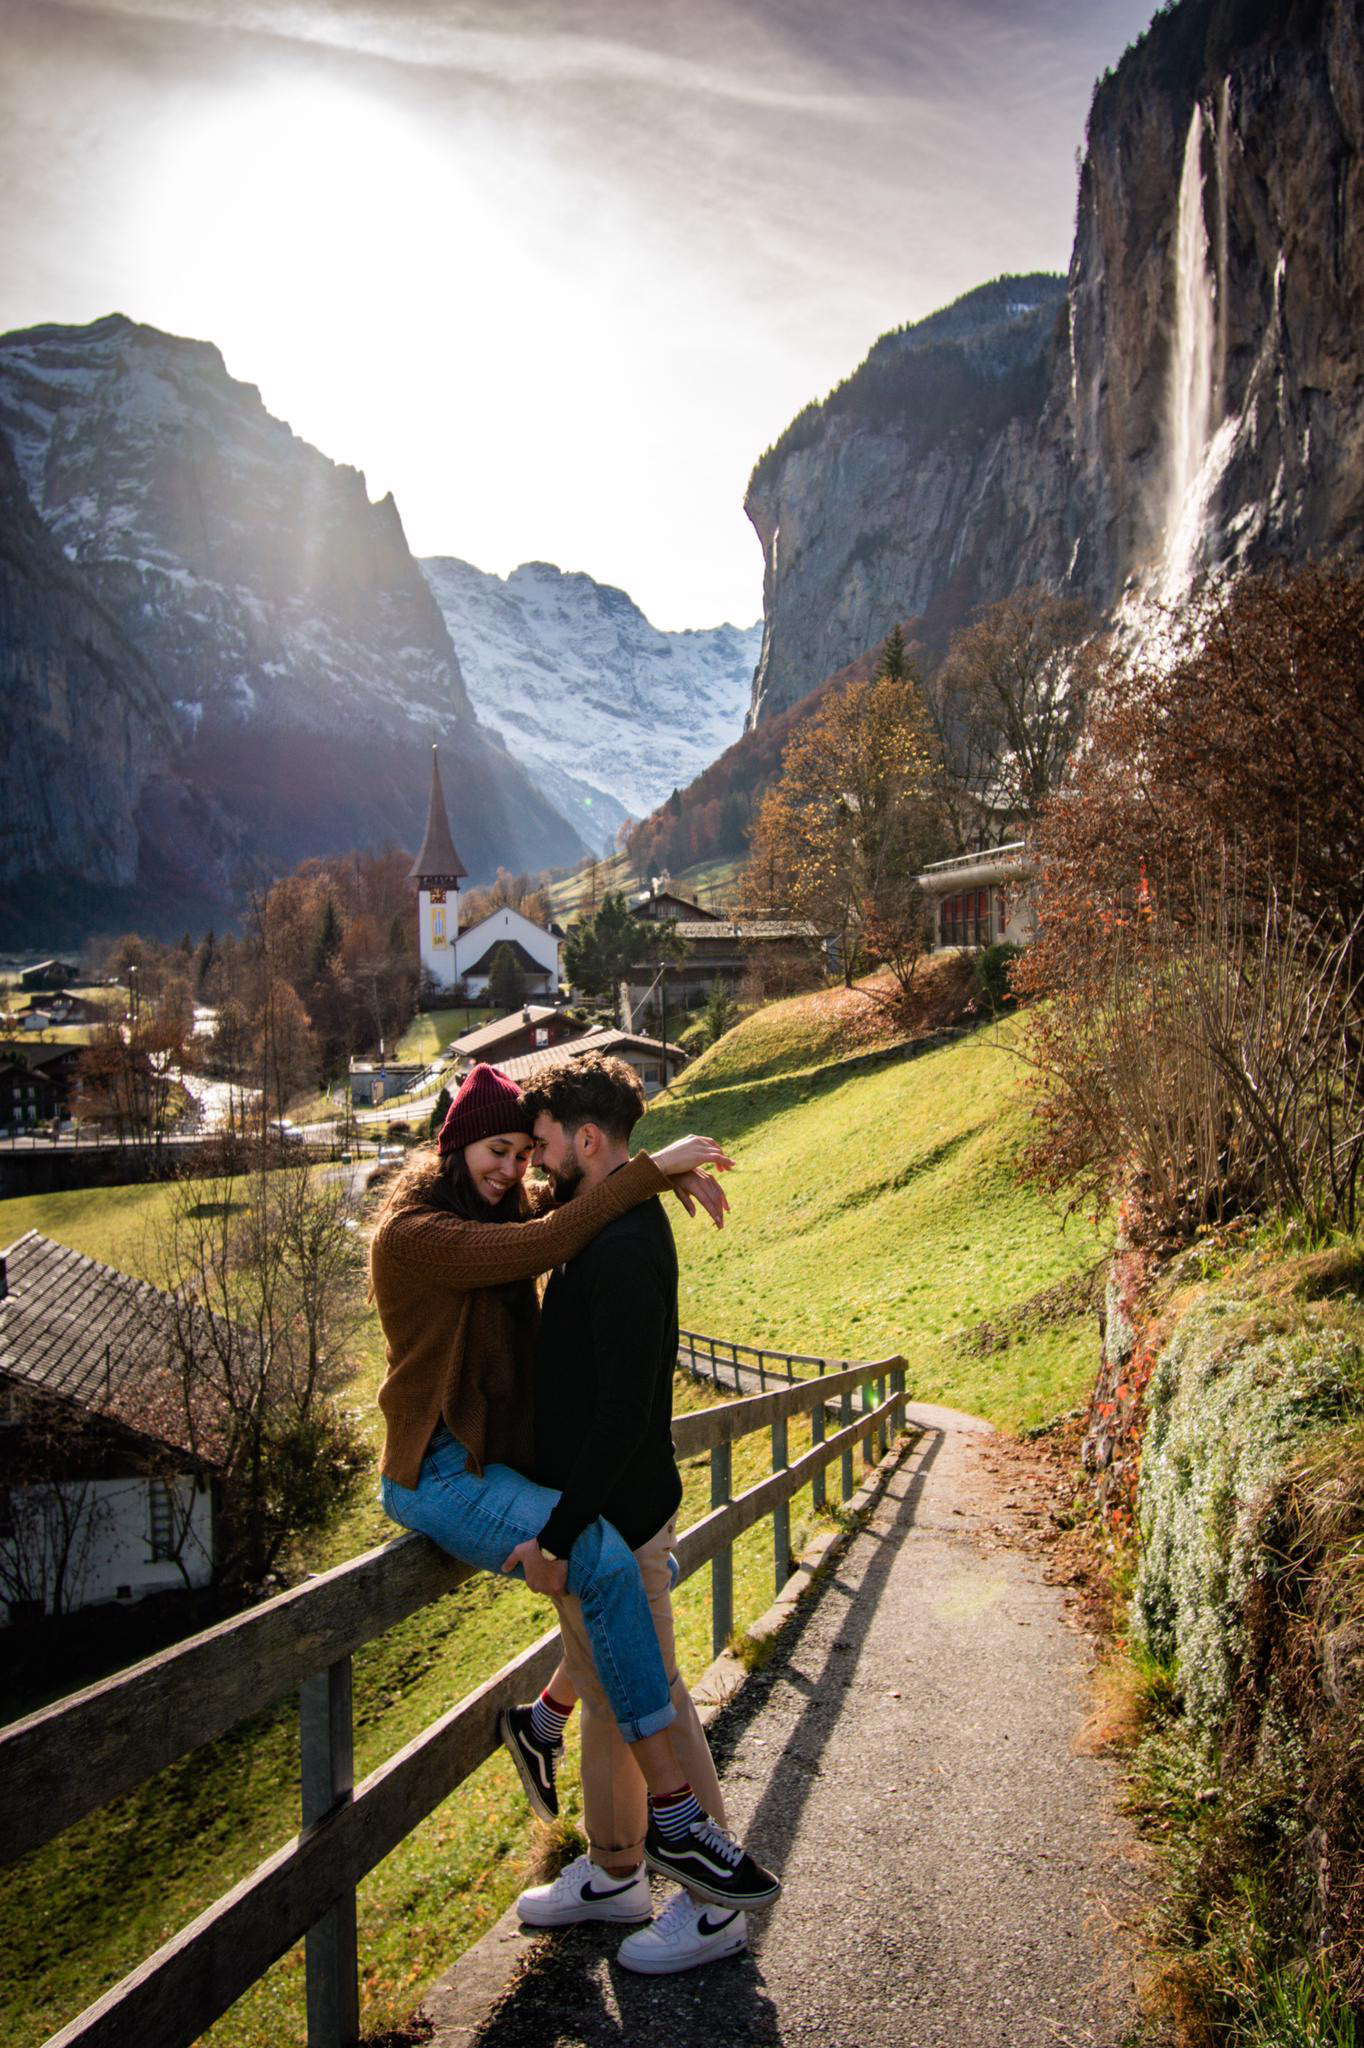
{"points": [[449, 955]]}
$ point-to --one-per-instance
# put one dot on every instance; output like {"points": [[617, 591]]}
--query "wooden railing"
{"points": [[727, 1363], [70, 1759]]}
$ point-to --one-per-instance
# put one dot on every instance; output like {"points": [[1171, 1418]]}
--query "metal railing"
{"points": [[70, 1759], [989, 856]]}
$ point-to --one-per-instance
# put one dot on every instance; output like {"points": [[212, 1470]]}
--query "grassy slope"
{"points": [[878, 1211], [872, 1212]]}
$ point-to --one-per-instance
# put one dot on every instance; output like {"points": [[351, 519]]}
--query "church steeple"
{"points": [[438, 863], [436, 869]]}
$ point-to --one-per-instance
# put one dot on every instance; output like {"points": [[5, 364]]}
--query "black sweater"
{"points": [[604, 1364]]}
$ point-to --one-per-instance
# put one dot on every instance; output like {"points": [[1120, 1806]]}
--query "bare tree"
{"points": [[51, 1516], [1008, 703], [262, 1269]]}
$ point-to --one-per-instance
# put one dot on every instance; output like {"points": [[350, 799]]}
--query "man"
{"points": [[604, 1367]]}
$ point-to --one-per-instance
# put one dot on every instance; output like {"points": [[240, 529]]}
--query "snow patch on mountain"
{"points": [[609, 714]]}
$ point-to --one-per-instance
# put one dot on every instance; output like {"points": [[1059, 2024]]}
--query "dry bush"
{"points": [[1219, 1072]]}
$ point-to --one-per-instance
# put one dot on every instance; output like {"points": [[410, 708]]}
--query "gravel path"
{"points": [[954, 1870]]}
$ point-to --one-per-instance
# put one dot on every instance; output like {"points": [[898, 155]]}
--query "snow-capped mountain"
{"points": [[300, 666], [610, 714]]}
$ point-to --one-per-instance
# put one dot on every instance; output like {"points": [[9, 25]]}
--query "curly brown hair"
{"points": [[595, 1088]]}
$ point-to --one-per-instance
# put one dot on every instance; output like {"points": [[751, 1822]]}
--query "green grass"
{"points": [[431, 1030], [881, 1213], [110, 1224]]}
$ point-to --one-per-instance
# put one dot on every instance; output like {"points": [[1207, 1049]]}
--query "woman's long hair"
{"points": [[429, 1180]]}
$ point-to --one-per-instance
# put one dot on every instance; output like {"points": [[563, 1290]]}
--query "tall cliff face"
{"points": [[1198, 400], [300, 666], [88, 728], [900, 492]]}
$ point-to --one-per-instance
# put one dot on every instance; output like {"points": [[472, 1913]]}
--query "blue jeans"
{"points": [[481, 1520]]}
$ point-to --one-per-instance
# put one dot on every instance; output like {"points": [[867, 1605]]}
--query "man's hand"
{"points": [[684, 1155], [691, 1188], [543, 1574]]}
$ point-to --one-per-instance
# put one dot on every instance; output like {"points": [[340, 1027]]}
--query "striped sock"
{"points": [[675, 1812], [547, 1720]]}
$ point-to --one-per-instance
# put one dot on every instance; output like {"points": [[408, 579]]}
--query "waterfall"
{"points": [[1190, 398]]}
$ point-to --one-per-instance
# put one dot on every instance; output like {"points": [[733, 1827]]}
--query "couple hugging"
{"points": [[486, 1385]]}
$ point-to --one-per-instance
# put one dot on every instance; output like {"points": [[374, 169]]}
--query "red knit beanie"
{"points": [[487, 1103]]}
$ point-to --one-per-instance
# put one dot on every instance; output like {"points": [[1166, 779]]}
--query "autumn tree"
{"points": [[841, 836], [1008, 705], [1219, 794]]}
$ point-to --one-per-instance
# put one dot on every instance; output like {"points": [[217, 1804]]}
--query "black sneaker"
{"points": [[535, 1760], [710, 1863]]}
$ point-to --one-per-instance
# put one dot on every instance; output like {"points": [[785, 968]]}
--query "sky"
{"points": [[553, 272]]}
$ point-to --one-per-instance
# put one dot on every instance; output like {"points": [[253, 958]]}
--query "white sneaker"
{"points": [[687, 1932], [584, 1891]]}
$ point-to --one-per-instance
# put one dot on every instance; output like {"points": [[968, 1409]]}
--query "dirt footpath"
{"points": [[955, 1873]]}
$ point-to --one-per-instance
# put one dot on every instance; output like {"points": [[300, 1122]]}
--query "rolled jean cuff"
{"points": [[648, 1724]]}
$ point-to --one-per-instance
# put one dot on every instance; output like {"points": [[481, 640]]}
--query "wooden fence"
{"points": [[70, 1759], [736, 1364]]}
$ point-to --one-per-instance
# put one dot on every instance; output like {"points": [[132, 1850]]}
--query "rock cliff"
{"points": [[1193, 397], [291, 665]]}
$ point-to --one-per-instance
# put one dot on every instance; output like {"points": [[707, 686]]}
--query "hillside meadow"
{"points": [[875, 1210]]}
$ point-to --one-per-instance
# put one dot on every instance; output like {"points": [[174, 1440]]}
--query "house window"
{"points": [[965, 920], [162, 1517]]}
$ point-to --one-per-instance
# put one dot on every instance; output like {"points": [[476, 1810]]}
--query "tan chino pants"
{"points": [[615, 1809]]}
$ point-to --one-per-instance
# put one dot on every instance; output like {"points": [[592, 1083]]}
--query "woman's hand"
{"points": [[691, 1188], [684, 1155]]}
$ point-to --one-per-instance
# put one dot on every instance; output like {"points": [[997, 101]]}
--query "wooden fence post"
{"points": [[817, 1484], [722, 1564], [328, 1759], [868, 1441], [845, 1419], [897, 1383], [781, 1514]]}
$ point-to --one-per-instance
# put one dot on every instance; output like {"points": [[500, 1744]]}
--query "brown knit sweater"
{"points": [[456, 1345]]}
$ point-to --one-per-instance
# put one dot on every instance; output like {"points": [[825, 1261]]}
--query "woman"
{"points": [[452, 1267]]}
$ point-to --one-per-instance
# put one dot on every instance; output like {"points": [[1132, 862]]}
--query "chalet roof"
{"points": [[524, 960], [489, 1035], [600, 1039], [96, 1338], [649, 899], [438, 860]]}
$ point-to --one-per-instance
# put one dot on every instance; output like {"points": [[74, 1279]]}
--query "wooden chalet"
{"points": [[108, 1487]]}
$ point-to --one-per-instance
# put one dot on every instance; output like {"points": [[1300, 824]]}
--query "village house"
{"points": [[655, 1063], [981, 899], [105, 1495], [61, 1007], [721, 945], [37, 1082], [373, 1082], [530, 1029], [48, 974]]}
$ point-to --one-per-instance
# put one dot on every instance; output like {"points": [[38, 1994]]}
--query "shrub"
{"points": [[1233, 1394]]}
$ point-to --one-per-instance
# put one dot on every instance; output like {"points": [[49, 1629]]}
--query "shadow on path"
{"points": [[564, 1997]]}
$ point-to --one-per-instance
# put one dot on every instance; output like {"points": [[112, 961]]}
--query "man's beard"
{"points": [[565, 1181]]}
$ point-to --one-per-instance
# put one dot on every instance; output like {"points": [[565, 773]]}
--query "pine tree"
{"points": [[894, 661]]}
